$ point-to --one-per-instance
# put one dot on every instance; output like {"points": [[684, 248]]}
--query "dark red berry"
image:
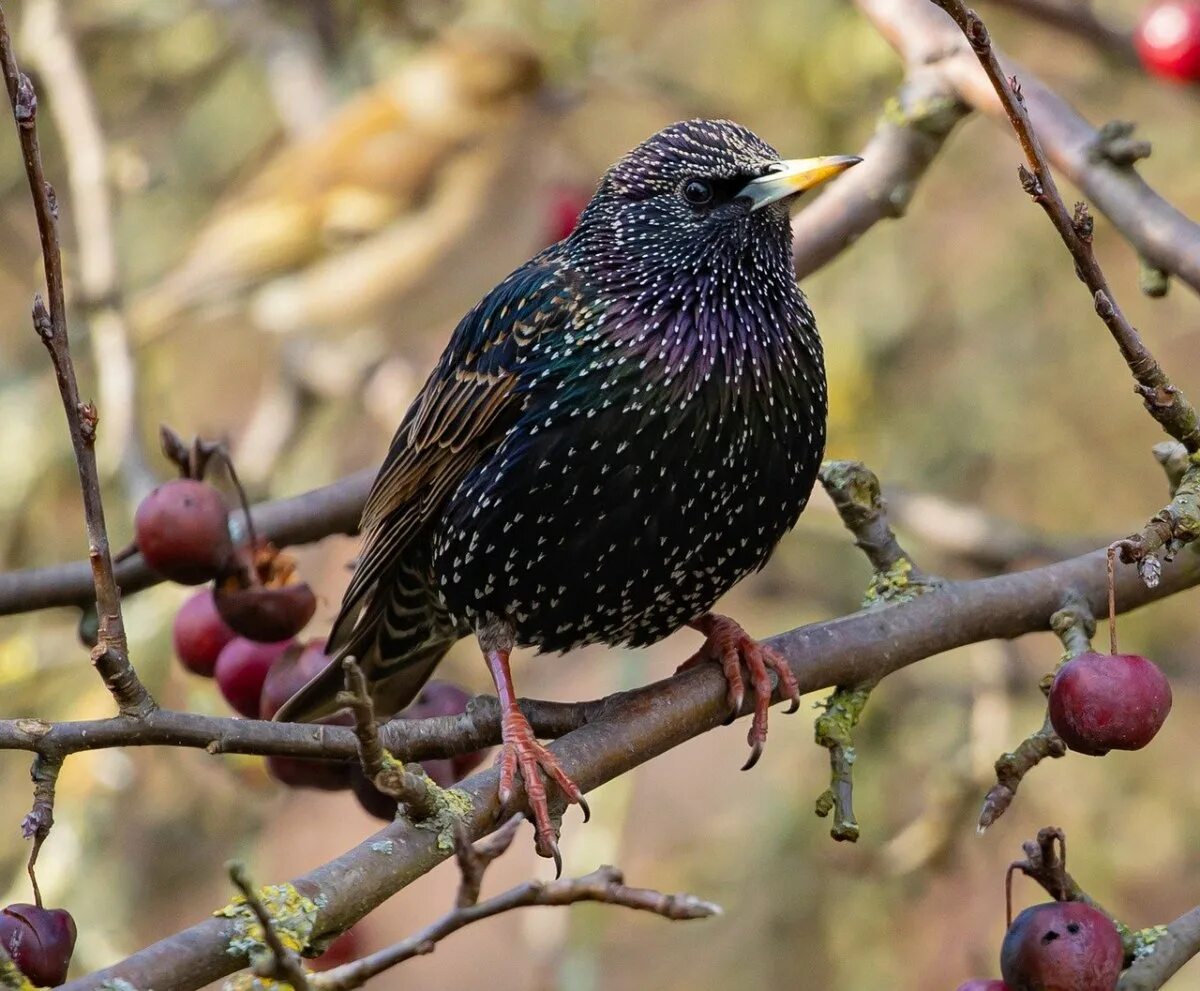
{"points": [[39, 941], [265, 614], [441, 698], [242, 669], [182, 530], [292, 670], [344, 949], [300, 772], [982, 984], [373, 801], [1103, 702], [566, 203], [199, 633], [1168, 39], [1062, 946]]}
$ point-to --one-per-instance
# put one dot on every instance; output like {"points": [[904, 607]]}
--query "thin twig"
{"points": [[1163, 400], [111, 654], [282, 963], [605, 885], [924, 35], [40, 819], [55, 55], [415, 791]]}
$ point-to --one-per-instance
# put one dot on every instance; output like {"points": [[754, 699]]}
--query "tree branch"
{"points": [[1162, 234], [635, 727], [1078, 18], [911, 131], [111, 653]]}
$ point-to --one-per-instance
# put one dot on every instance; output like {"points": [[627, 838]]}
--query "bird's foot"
{"points": [[731, 647], [521, 751]]}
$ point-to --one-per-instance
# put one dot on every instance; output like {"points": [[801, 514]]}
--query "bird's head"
{"points": [[699, 189]]}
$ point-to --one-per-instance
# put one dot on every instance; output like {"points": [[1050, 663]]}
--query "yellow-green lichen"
{"points": [[293, 914], [247, 980], [11, 978], [1141, 942], [452, 805], [893, 585]]}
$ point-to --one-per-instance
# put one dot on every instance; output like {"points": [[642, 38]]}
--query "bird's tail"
{"points": [[401, 633]]}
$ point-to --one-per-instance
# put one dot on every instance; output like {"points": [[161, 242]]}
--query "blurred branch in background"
{"points": [[1078, 18], [46, 36], [924, 35]]}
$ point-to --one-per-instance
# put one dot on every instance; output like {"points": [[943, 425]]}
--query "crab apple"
{"points": [[291, 671], [302, 772], [263, 613], [345, 948], [182, 530], [982, 984], [241, 670], [39, 941], [1103, 702], [1062, 946], [199, 634], [565, 205], [441, 698], [1168, 39]]}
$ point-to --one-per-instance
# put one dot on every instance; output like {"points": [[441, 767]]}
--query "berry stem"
{"points": [[1112, 599]]}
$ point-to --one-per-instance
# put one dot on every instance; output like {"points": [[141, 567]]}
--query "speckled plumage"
{"points": [[615, 436]]}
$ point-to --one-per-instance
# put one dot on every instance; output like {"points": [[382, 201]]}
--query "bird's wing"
{"points": [[463, 410]]}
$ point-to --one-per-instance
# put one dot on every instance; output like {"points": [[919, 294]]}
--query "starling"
{"points": [[616, 435]]}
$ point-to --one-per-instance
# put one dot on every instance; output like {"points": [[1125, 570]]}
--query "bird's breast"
{"points": [[637, 486]]}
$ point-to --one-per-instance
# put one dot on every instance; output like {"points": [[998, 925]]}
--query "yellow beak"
{"points": [[794, 176]]}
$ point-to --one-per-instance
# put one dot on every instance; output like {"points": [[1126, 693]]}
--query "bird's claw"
{"points": [[733, 647], [521, 751]]}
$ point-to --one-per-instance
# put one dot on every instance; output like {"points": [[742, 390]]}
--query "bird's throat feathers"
{"points": [[723, 317]]}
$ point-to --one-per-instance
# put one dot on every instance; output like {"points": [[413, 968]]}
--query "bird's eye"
{"points": [[697, 192]]}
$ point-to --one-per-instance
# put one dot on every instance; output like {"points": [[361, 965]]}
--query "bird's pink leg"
{"points": [[521, 750], [731, 646]]}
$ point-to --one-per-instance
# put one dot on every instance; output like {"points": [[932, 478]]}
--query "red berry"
{"points": [[1062, 946], [441, 698], [182, 530], [982, 984], [300, 772], [242, 669], [347, 947], [200, 634], [565, 206], [372, 800], [291, 671], [266, 614], [1103, 702], [39, 941], [1168, 39]]}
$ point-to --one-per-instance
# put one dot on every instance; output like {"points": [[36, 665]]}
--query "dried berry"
{"points": [[1062, 946], [1103, 702], [182, 530], [39, 941], [263, 599], [199, 633]]}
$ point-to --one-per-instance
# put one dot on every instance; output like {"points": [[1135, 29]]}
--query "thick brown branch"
{"points": [[636, 727], [111, 656], [1173, 945]]}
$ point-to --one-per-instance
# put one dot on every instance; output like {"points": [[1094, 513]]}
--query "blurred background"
{"points": [[274, 213]]}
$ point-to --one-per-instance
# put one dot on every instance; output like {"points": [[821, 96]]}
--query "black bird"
{"points": [[616, 435]]}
